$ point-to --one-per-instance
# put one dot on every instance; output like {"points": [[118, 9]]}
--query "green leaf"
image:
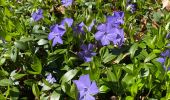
{"points": [[29, 82], [2, 61], [20, 45], [2, 97], [133, 49], [18, 76], [7, 12], [55, 96], [111, 76], [35, 90], [69, 89], [104, 89], [14, 93], [167, 26], [42, 42], [36, 66], [150, 57], [68, 75], [108, 58], [60, 51], [3, 73], [5, 82], [13, 54], [129, 98], [128, 79]]}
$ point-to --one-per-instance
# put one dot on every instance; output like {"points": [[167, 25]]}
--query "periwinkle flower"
{"points": [[128, 1], [110, 31], [66, 3], [166, 53], [86, 88], [87, 52], [105, 34], [162, 59], [89, 28], [68, 21], [120, 36], [168, 36], [57, 31], [50, 79], [36, 16], [116, 19], [131, 7], [80, 27]]}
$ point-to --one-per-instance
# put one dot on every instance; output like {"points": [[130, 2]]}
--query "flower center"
{"points": [[105, 33], [85, 89]]}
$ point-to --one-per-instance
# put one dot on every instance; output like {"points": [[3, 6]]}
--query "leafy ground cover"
{"points": [[84, 50]]}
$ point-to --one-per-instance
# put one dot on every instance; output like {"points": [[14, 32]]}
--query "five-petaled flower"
{"points": [[37, 15], [110, 31], [87, 52], [86, 88], [57, 31], [67, 3], [50, 79], [105, 34]]}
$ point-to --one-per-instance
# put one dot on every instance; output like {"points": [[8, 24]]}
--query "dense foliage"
{"points": [[84, 49]]}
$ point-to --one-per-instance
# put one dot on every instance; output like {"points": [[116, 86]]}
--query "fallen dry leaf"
{"points": [[166, 4]]}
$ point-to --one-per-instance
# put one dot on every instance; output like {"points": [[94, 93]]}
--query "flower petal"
{"points": [[102, 27], [83, 47], [105, 41], [85, 79], [68, 21], [89, 97], [80, 86], [90, 47], [93, 89], [87, 59], [111, 37], [56, 40], [161, 60], [81, 95], [99, 35], [51, 35]]}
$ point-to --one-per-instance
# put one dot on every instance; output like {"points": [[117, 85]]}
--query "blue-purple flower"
{"points": [[68, 21], [162, 59], [87, 52], [66, 3], [110, 31], [57, 31], [166, 53], [168, 36], [89, 28], [37, 15], [106, 34], [116, 19], [86, 88], [131, 7], [120, 37], [80, 27], [50, 79]]}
